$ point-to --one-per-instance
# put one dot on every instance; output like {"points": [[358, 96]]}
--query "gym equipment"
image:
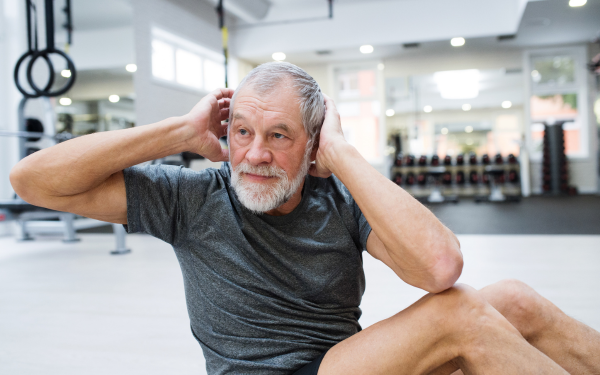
{"points": [[34, 54], [555, 176]]}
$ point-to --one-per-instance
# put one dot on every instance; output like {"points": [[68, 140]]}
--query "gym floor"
{"points": [[74, 309]]}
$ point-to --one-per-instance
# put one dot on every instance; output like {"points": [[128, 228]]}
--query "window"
{"points": [[177, 61], [360, 110], [556, 84]]}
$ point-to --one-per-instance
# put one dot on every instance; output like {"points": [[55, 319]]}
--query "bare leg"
{"points": [[571, 344], [455, 325]]}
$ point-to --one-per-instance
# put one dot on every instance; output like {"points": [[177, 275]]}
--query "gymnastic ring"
{"points": [[45, 92], [51, 75]]}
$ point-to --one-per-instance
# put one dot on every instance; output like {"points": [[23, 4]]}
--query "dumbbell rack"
{"points": [[555, 177], [481, 179]]}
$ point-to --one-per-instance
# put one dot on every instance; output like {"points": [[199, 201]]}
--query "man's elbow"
{"points": [[446, 271], [17, 178]]}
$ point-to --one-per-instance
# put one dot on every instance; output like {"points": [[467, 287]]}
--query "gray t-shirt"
{"points": [[265, 294]]}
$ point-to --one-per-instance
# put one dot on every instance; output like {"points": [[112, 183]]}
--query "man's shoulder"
{"points": [[330, 186]]}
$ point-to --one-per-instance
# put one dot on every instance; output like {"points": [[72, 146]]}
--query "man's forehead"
{"points": [[273, 104]]}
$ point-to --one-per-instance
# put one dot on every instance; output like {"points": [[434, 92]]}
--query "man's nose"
{"points": [[258, 153]]}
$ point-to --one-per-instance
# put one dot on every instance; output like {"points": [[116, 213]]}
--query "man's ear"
{"points": [[315, 148]]}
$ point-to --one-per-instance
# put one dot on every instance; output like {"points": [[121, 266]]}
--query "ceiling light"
{"points": [[367, 48], [457, 42], [131, 68], [380, 66], [577, 3], [506, 104], [458, 84], [390, 112], [536, 76], [466, 107], [444, 130], [114, 98], [468, 129], [278, 56], [427, 108], [66, 73], [65, 101]]}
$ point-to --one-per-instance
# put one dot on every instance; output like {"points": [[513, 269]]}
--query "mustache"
{"points": [[264, 170]]}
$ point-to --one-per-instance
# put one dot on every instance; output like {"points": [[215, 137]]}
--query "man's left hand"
{"points": [[330, 141]]}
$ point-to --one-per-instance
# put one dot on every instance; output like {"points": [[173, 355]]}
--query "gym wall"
{"points": [[189, 19]]}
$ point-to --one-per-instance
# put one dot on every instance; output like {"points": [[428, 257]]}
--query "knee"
{"points": [[522, 306], [462, 306]]}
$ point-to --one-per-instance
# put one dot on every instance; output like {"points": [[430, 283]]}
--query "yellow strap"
{"points": [[225, 35]]}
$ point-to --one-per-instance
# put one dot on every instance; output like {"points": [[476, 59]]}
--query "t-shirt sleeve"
{"points": [[153, 200], [364, 229]]}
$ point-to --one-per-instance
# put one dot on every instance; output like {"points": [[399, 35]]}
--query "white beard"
{"points": [[263, 197]]}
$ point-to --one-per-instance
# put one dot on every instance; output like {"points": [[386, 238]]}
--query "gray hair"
{"points": [[264, 78]]}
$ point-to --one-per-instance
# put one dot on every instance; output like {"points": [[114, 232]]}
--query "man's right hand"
{"points": [[205, 119]]}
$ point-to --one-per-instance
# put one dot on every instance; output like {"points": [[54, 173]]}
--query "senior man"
{"points": [[272, 257]]}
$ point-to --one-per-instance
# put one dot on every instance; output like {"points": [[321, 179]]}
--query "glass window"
{"points": [[553, 71], [359, 110], [214, 75], [549, 109], [189, 69], [163, 60]]}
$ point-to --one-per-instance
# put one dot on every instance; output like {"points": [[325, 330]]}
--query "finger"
{"points": [[224, 103], [221, 93], [224, 114]]}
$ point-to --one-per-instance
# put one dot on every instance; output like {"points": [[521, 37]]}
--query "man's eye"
{"points": [[279, 136], [243, 132]]}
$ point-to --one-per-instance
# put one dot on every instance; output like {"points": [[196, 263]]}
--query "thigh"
{"points": [[417, 340]]}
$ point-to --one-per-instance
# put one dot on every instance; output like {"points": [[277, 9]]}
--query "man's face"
{"points": [[267, 144]]}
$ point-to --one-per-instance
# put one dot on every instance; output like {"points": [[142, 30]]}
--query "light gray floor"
{"points": [[74, 309]]}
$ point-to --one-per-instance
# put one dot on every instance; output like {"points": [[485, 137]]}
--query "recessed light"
{"points": [[390, 112], [65, 101], [131, 68], [278, 56], [380, 66], [367, 48], [506, 104], [66, 73], [466, 107], [114, 98], [427, 108], [468, 129], [457, 42], [577, 3], [444, 130]]}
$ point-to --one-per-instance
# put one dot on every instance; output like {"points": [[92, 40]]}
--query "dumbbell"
{"points": [[447, 178], [410, 160], [472, 158], [448, 160], [398, 161], [513, 176], [485, 159], [473, 177], [460, 159], [460, 178], [31, 150], [421, 178], [410, 179], [435, 161], [498, 159], [512, 159], [485, 178], [423, 160], [398, 179]]}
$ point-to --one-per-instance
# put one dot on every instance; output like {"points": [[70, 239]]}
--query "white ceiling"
{"points": [[387, 24]]}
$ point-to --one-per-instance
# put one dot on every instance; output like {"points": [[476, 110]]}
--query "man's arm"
{"points": [[85, 175], [405, 234]]}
